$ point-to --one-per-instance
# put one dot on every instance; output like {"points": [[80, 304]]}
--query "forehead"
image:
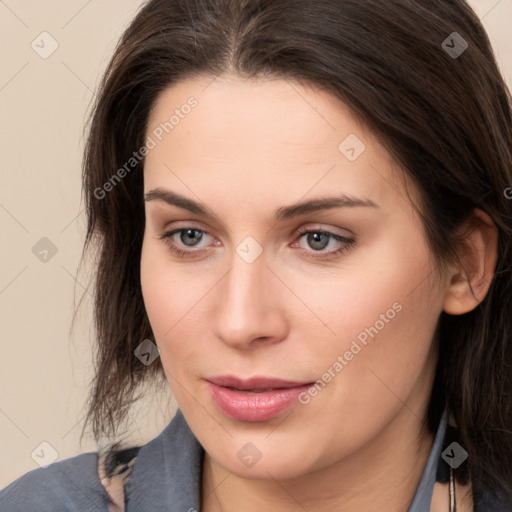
{"points": [[264, 136]]}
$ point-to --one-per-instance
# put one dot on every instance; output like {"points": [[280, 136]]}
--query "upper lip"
{"points": [[229, 381]]}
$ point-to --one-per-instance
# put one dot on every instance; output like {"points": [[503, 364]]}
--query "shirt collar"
{"points": [[423, 495], [167, 473]]}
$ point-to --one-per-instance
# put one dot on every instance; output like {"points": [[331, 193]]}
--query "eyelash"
{"points": [[348, 243]]}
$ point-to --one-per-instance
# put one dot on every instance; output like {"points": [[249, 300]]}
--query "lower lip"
{"points": [[247, 406]]}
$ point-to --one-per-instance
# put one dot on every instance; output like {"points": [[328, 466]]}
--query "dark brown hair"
{"points": [[445, 118]]}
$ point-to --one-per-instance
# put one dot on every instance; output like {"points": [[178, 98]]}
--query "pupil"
{"points": [[314, 240]]}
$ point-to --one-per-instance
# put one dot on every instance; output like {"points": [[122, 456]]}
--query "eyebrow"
{"points": [[282, 213]]}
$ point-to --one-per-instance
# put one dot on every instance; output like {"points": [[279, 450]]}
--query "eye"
{"points": [[319, 241], [185, 237]]}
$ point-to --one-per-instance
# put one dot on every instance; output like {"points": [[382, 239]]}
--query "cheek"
{"points": [[381, 291], [379, 321], [157, 287], [166, 288], [174, 300]]}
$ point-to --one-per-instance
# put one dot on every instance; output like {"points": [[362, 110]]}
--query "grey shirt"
{"points": [[166, 477]]}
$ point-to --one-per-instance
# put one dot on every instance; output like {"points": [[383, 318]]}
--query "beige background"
{"points": [[44, 372]]}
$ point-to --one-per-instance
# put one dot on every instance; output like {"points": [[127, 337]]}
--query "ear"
{"points": [[471, 278]]}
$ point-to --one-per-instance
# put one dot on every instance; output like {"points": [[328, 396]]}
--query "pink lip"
{"points": [[255, 399]]}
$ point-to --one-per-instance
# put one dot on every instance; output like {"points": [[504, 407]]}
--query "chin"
{"points": [[266, 459]]}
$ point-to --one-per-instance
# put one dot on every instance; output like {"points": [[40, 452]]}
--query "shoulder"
{"points": [[147, 478], [69, 485]]}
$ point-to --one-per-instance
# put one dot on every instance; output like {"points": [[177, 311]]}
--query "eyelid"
{"points": [[321, 229]]}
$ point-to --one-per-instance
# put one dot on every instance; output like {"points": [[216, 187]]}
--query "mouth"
{"points": [[255, 399]]}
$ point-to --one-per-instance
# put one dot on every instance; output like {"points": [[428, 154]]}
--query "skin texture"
{"points": [[247, 149]]}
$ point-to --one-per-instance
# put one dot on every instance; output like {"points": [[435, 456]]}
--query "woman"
{"points": [[302, 214]]}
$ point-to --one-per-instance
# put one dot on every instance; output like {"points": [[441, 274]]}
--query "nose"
{"points": [[250, 305]]}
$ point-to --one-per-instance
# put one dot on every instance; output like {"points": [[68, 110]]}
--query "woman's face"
{"points": [[299, 259]]}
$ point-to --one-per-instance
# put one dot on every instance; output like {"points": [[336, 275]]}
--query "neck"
{"points": [[383, 475]]}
